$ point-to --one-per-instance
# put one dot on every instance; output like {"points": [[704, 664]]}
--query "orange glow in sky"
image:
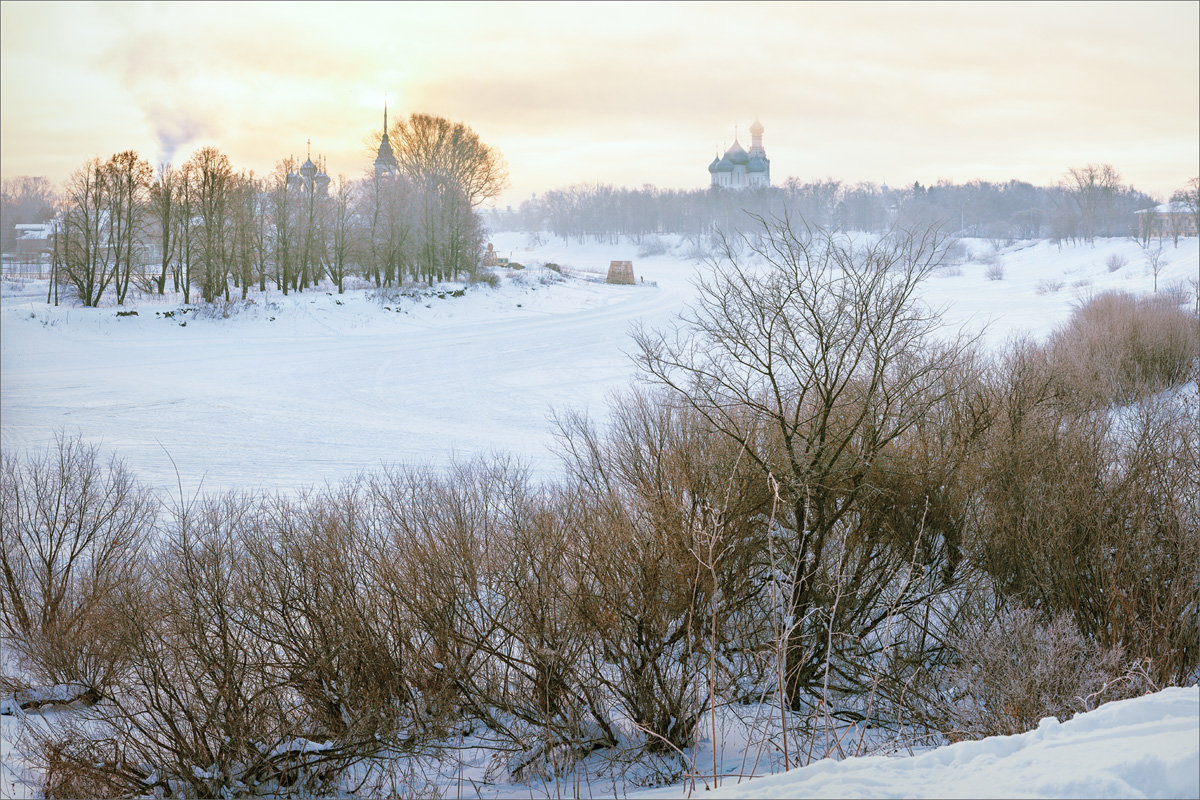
{"points": [[626, 94]]}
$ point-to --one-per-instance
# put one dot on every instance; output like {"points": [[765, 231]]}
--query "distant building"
{"points": [[1177, 218], [34, 242], [310, 178], [385, 162], [742, 169]]}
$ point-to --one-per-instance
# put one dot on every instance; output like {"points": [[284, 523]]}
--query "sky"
{"points": [[617, 93]]}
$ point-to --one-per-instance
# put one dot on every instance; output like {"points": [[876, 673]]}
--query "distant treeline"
{"points": [[1090, 201]]}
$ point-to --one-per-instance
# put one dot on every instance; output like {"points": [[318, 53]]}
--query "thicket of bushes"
{"points": [[997, 542]]}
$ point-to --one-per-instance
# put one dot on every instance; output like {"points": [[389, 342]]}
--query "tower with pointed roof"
{"points": [[385, 161], [742, 169], [310, 178]]}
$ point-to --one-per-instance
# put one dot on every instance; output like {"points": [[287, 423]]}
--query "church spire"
{"points": [[385, 161]]}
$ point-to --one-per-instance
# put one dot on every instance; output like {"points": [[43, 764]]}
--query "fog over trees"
{"points": [[1089, 201]]}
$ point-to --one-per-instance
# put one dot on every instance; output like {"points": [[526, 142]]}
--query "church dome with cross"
{"points": [[739, 168]]}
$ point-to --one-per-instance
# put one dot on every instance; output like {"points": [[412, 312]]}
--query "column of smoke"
{"points": [[174, 131]]}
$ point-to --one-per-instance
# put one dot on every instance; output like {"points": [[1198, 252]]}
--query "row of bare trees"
{"points": [[822, 505], [208, 228], [1088, 202]]}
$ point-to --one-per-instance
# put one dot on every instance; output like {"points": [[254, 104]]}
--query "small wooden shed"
{"points": [[621, 272]]}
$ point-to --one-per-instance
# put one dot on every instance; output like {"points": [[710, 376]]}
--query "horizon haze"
{"points": [[617, 93]]}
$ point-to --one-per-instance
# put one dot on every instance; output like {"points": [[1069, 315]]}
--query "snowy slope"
{"points": [[299, 390], [1144, 747]]}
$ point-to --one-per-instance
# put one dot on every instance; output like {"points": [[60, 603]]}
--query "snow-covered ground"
{"points": [[1143, 747], [299, 390], [294, 391]]}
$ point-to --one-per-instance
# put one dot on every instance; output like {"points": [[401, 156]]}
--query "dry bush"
{"points": [[1040, 523], [1150, 590], [1119, 347], [1115, 262], [437, 538], [73, 529], [669, 560], [483, 276], [203, 711], [1092, 514], [1015, 668], [68, 769], [314, 612], [537, 637]]}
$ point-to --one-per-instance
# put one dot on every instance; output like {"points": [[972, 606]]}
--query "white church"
{"points": [[739, 169]]}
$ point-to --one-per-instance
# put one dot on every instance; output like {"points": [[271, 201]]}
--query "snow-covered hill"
{"points": [[1143, 747]]}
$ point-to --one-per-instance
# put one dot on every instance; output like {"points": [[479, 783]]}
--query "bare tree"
{"points": [[186, 231], [87, 257], [212, 176], [1190, 197], [451, 173], [243, 249], [1093, 189], [814, 360], [163, 207], [1156, 262], [128, 178], [340, 233], [283, 224], [72, 532], [434, 149]]}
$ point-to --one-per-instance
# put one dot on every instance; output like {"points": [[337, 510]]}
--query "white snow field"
{"points": [[1142, 747], [311, 388]]}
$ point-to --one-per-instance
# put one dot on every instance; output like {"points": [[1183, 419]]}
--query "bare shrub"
{"points": [[72, 533], [651, 246], [994, 271], [1149, 592], [537, 640], [1115, 262], [203, 711], [491, 279], [1048, 286], [662, 494], [1038, 492], [438, 534], [64, 774], [1092, 514], [1014, 669], [1178, 293], [318, 623], [1119, 347]]}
